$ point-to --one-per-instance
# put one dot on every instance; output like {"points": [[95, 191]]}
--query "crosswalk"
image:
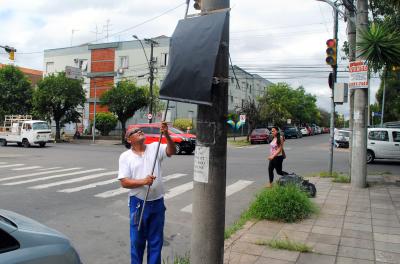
{"points": [[77, 179]]}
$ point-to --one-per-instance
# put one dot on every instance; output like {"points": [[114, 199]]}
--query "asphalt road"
{"points": [[75, 191]]}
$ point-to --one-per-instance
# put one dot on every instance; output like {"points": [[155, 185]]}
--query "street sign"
{"points": [[358, 75], [73, 73], [242, 118], [376, 114], [289, 121], [149, 116]]}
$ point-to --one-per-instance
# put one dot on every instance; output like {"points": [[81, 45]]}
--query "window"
{"points": [[378, 135], [231, 99], [7, 242], [82, 64], [155, 130], [396, 136], [146, 130], [164, 59], [123, 62], [49, 67]]}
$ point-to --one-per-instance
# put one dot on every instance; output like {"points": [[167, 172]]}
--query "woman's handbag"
{"points": [[283, 154]]}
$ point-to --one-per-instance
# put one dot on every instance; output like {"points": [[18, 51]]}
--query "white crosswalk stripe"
{"points": [[121, 190], [84, 178], [52, 177], [231, 189], [178, 190], [27, 168], [37, 174], [52, 168], [11, 165], [2, 162], [88, 186]]}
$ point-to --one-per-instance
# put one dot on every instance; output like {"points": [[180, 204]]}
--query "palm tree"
{"points": [[380, 47]]}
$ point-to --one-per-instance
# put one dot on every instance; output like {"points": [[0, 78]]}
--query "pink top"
{"points": [[274, 147]]}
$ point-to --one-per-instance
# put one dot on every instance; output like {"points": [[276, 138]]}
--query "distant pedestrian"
{"points": [[135, 166], [276, 155]]}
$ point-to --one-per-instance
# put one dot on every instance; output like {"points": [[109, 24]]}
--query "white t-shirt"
{"points": [[134, 166]]}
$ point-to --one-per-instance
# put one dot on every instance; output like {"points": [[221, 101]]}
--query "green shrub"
{"points": [[179, 259], [342, 179], [282, 203], [105, 122], [183, 124], [286, 244]]}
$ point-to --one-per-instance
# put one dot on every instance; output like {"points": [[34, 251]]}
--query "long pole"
{"points": [[359, 144], [208, 218], [94, 113], [383, 98], [334, 72], [151, 80]]}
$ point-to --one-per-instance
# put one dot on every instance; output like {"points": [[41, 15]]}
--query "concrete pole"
{"points": [[94, 113], [334, 72], [351, 39], [359, 144], [383, 97], [151, 79], [208, 219]]}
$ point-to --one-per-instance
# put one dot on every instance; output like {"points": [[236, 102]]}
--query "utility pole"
{"points": [[208, 219], [359, 144], [351, 37], [151, 78]]}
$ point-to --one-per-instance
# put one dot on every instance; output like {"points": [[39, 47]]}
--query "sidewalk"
{"points": [[353, 226]]}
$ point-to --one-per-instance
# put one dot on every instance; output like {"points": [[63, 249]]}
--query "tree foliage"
{"points": [[57, 97], [392, 100], [183, 124], [105, 122], [15, 92], [124, 100], [252, 111]]}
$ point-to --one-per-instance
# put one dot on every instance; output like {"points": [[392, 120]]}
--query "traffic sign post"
{"points": [[242, 118], [149, 116], [358, 75]]}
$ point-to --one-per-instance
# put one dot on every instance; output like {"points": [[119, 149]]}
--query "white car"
{"points": [[304, 131], [383, 143]]}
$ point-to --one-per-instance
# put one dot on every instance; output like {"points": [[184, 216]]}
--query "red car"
{"points": [[184, 142], [260, 135]]}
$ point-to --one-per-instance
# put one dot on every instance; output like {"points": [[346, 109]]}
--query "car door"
{"points": [[395, 146], [378, 141]]}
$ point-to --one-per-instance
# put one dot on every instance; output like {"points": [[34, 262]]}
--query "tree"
{"points": [[16, 92], [105, 122], [57, 97], [392, 100], [252, 112], [124, 100]]}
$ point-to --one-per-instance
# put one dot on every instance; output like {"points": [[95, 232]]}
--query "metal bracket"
{"points": [[206, 12], [218, 80]]}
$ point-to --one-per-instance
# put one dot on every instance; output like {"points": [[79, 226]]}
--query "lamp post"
{"points": [[150, 64]]}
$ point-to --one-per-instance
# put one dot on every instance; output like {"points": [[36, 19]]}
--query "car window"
{"points": [[396, 136], [155, 130], [7, 242], [379, 135], [40, 126], [146, 130], [175, 130]]}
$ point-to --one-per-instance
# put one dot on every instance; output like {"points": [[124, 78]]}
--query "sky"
{"points": [[283, 41]]}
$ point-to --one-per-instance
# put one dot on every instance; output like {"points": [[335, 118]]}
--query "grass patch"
{"points": [[178, 260], [239, 142], [286, 244], [342, 179], [244, 217], [380, 173], [282, 203]]}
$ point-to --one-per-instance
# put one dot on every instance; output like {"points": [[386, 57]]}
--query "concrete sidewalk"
{"points": [[353, 226]]}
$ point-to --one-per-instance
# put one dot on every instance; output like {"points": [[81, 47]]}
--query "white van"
{"points": [[383, 143]]}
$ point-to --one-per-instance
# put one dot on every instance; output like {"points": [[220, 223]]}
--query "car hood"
{"points": [[188, 136]]}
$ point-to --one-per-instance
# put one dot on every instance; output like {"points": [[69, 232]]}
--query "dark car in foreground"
{"points": [[24, 240], [292, 132], [260, 135]]}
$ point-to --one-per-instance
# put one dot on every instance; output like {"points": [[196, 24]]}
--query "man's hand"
{"points": [[164, 128], [149, 180]]}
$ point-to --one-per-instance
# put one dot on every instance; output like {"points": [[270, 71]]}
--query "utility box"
{"points": [[341, 93]]}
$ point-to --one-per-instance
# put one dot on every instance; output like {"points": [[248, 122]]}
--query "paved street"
{"points": [[73, 188]]}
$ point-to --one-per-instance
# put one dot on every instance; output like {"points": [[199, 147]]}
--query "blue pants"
{"points": [[151, 230]]}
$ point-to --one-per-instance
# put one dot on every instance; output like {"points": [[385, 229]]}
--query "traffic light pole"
{"points": [[208, 219], [334, 73], [151, 68]]}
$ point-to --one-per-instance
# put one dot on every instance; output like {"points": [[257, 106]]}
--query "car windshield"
{"points": [[344, 133], [291, 129], [259, 131], [175, 130], [40, 126]]}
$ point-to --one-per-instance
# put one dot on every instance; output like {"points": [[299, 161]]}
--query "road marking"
{"points": [[178, 190], [231, 189], [11, 165], [53, 177], [27, 168], [2, 162], [88, 186], [84, 178], [37, 173], [52, 168], [116, 192]]}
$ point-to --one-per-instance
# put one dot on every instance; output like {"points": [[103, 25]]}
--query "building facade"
{"points": [[104, 65]]}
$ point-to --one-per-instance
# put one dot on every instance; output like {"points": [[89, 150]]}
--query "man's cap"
{"points": [[131, 131]]}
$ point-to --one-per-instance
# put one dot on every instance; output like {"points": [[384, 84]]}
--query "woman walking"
{"points": [[276, 155]]}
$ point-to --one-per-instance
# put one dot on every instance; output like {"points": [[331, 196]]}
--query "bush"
{"points": [[282, 203], [105, 122], [183, 124]]}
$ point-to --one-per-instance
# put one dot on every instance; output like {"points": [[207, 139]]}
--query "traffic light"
{"points": [[331, 52], [197, 4], [11, 52]]}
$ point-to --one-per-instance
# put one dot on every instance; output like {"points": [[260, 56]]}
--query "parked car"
{"points": [[383, 143], [184, 142], [304, 131], [310, 131], [24, 240], [325, 130], [318, 130], [292, 132], [341, 138], [260, 135]]}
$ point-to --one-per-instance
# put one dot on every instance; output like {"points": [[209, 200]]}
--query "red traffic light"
{"points": [[331, 43]]}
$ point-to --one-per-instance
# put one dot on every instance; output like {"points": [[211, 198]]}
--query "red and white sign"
{"points": [[149, 116], [242, 118], [358, 75]]}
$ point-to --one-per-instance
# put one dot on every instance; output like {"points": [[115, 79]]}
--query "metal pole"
{"points": [[334, 72], [151, 80], [383, 99], [208, 218], [359, 144], [94, 113]]}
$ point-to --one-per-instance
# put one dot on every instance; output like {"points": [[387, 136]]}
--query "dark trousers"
{"points": [[275, 163], [151, 230]]}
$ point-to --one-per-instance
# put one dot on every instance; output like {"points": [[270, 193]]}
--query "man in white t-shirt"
{"points": [[135, 166]]}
